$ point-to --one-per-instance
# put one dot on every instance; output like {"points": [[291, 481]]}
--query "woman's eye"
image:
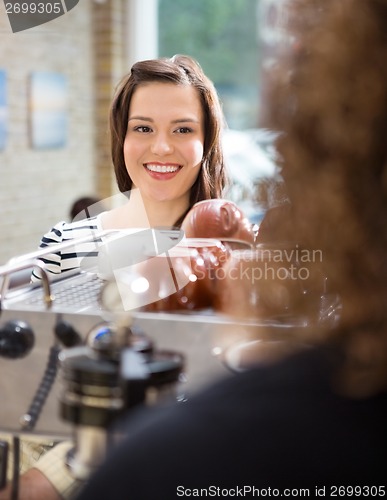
{"points": [[143, 129], [184, 130]]}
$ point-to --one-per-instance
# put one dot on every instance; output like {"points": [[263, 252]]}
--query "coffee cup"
{"points": [[218, 218]]}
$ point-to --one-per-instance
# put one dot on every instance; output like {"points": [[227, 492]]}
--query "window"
{"points": [[223, 36]]}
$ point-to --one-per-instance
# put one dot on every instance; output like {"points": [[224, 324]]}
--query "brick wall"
{"points": [[109, 57], [37, 187]]}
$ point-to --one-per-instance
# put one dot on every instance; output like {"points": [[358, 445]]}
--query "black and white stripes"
{"points": [[74, 256]]}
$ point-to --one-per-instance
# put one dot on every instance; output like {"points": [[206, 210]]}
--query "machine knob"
{"points": [[67, 334], [16, 339]]}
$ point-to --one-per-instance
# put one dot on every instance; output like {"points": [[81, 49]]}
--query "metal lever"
{"points": [[48, 297], [31, 260]]}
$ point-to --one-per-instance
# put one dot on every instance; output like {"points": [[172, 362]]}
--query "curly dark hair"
{"points": [[180, 70], [329, 100]]}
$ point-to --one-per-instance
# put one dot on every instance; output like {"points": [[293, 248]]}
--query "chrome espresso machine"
{"points": [[73, 358]]}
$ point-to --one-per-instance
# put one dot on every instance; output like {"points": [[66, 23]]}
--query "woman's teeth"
{"points": [[162, 168]]}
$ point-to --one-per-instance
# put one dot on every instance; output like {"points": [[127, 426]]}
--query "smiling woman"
{"points": [[164, 145]]}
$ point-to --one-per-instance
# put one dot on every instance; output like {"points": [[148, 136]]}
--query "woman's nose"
{"points": [[161, 145]]}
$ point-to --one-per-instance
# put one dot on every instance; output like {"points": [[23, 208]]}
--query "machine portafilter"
{"points": [[117, 370]]}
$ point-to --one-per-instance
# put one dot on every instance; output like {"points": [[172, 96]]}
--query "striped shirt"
{"points": [[72, 257]]}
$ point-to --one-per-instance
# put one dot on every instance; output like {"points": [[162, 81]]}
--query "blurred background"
{"points": [[57, 81]]}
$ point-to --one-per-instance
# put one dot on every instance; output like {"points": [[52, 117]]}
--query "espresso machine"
{"points": [[78, 350]]}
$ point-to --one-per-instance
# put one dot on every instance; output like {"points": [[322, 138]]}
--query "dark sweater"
{"points": [[272, 427]]}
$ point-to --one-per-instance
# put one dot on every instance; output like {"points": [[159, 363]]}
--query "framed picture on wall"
{"points": [[3, 109], [48, 110]]}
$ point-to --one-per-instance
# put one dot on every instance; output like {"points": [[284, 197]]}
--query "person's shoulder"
{"points": [[89, 223], [54, 235], [63, 230], [295, 376], [79, 228], [291, 368]]}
